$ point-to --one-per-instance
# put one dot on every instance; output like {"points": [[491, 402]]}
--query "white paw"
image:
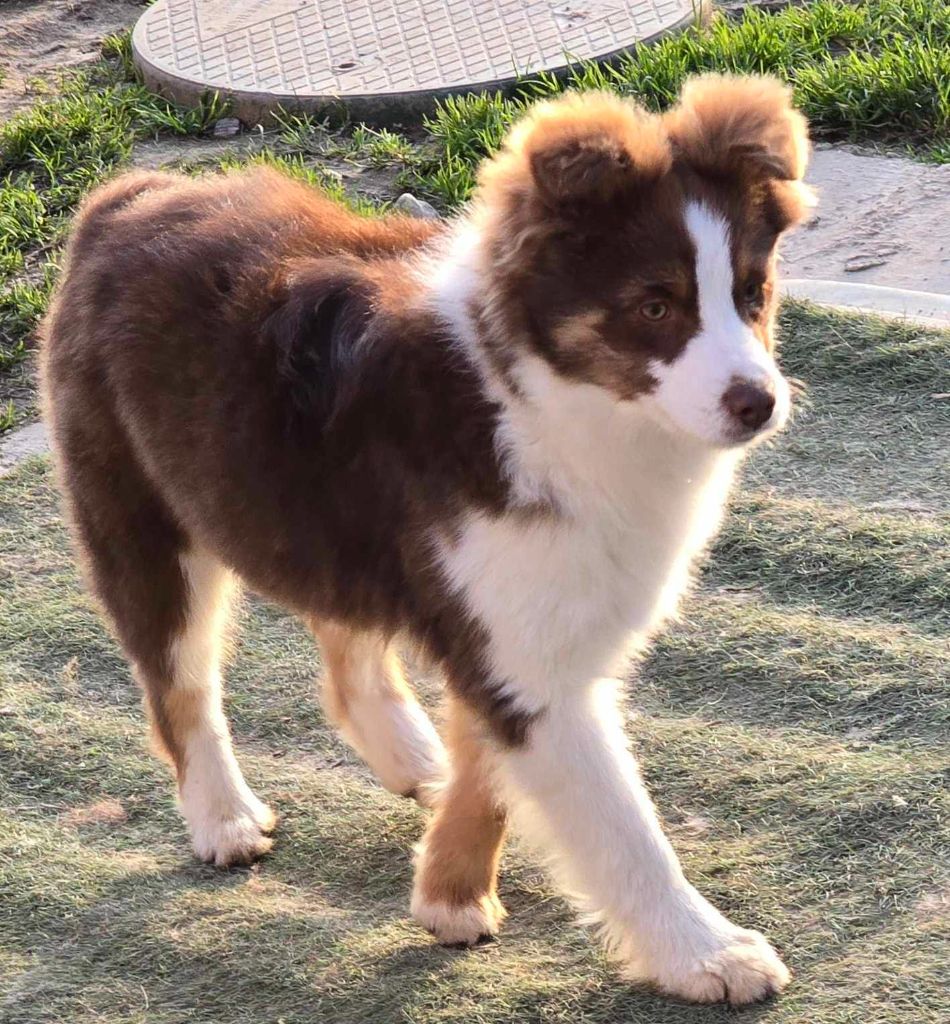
{"points": [[743, 969], [696, 954], [226, 842], [401, 746], [231, 836], [465, 924]]}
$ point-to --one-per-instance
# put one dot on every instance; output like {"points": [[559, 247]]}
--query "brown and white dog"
{"points": [[505, 438]]}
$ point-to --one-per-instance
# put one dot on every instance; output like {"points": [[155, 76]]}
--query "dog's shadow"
{"points": [[272, 943]]}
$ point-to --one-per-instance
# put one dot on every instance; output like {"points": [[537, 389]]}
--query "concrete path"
{"points": [[880, 221], [21, 444]]}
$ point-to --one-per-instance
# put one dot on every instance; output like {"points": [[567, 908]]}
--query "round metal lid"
{"points": [[378, 57]]}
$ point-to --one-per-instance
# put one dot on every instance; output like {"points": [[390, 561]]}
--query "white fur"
{"points": [[564, 596], [576, 791], [226, 819], [196, 652], [378, 716], [725, 350], [399, 743], [462, 924]]}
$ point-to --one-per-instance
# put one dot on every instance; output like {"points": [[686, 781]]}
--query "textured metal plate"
{"points": [[385, 53]]}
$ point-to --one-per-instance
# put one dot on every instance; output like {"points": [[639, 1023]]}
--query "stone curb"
{"points": [[929, 309]]}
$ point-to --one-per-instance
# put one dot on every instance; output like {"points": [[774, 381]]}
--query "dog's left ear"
{"points": [[730, 124], [579, 150]]}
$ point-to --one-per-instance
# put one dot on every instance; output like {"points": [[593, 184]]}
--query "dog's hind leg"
{"points": [[229, 824], [366, 696], [454, 894], [168, 603]]}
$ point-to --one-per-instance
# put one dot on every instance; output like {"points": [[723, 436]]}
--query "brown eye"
{"points": [[753, 293], [654, 310]]}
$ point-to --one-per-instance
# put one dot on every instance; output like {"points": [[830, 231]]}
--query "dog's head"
{"points": [[637, 252]]}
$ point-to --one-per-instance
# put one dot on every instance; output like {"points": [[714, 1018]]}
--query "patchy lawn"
{"points": [[795, 729], [795, 726]]}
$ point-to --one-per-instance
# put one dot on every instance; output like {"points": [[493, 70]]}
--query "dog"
{"points": [[506, 438]]}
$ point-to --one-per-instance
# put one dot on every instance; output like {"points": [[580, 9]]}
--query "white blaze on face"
{"points": [[725, 349]]}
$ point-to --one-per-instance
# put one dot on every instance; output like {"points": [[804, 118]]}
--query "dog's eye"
{"points": [[654, 310], [753, 293]]}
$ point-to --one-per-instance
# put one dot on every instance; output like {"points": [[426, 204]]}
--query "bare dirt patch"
{"points": [[103, 812], [40, 38]]}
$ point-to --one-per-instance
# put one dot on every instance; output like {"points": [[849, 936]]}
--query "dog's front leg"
{"points": [[578, 781]]}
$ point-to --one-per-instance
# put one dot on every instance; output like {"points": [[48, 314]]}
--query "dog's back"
{"points": [[228, 318], [224, 395]]}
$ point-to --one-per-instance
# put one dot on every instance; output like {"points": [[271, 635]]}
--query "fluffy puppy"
{"points": [[506, 437]]}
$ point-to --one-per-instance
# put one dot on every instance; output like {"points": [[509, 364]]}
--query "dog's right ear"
{"points": [[580, 150], [747, 128], [323, 310], [734, 124]]}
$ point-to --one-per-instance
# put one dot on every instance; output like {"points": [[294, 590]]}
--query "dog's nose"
{"points": [[751, 404]]}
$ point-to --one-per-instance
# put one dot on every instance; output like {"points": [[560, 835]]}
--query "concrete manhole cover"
{"points": [[381, 58]]}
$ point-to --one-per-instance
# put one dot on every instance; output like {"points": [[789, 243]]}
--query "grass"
{"points": [[794, 726], [884, 380]]}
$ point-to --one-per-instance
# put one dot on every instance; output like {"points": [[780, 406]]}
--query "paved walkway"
{"points": [[880, 221]]}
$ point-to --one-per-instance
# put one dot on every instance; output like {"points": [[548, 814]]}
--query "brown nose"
{"points": [[751, 404]]}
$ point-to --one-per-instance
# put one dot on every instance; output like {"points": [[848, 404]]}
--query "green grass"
{"points": [[794, 727], [877, 71], [882, 381], [311, 135]]}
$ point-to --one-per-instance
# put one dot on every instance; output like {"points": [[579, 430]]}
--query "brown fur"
{"points": [[584, 206], [462, 847], [246, 295]]}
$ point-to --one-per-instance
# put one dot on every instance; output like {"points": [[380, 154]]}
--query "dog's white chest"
{"points": [[565, 598]]}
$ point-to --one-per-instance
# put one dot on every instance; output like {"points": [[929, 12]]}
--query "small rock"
{"points": [[226, 128], [407, 203], [859, 263]]}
